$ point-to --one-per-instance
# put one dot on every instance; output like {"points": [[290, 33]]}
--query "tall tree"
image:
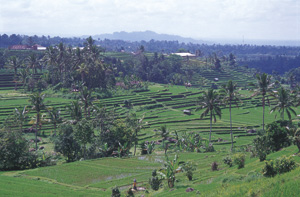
{"points": [[230, 96], [14, 63], [136, 124], [33, 62], [55, 118], [83, 70], [75, 111], [210, 102], [24, 76], [284, 104], [37, 102], [83, 134], [264, 86], [86, 99], [20, 116]]}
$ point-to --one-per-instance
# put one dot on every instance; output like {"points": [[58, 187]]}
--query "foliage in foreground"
{"points": [[15, 154], [282, 165]]}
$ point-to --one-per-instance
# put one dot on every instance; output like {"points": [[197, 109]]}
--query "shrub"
{"points": [[130, 193], [115, 192], [275, 138], [214, 166], [66, 143], [227, 160], [209, 147], [239, 159], [154, 181], [261, 147], [269, 170], [15, 155], [189, 167], [296, 139], [150, 147], [284, 164], [143, 148], [13, 151], [278, 135]]}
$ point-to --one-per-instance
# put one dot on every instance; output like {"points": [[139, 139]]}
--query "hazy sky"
{"points": [[253, 19]]}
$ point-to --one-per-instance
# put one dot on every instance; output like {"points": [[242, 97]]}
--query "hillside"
{"points": [[146, 36], [97, 177]]}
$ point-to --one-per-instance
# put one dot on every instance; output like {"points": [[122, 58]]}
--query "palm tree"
{"points": [[264, 86], [50, 58], [20, 116], [78, 57], [136, 125], [14, 63], [89, 43], [284, 104], [37, 102], [164, 132], [86, 99], [210, 102], [55, 118], [24, 76], [75, 111], [83, 70], [32, 63], [230, 95]]}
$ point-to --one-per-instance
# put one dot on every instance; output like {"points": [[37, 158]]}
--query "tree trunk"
{"points": [[54, 129], [36, 131], [263, 103], [210, 126], [135, 142], [85, 110], [230, 125], [15, 78]]}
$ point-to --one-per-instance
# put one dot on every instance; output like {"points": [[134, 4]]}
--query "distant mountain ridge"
{"points": [[146, 36]]}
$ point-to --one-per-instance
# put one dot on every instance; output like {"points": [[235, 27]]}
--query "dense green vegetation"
{"points": [[80, 122]]}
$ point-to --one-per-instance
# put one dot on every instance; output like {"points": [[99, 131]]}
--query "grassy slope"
{"points": [[98, 176]]}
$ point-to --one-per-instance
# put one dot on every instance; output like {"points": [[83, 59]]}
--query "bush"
{"points": [[284, 164], [269, 170], [214, 166], [118, 134], [296, 139], [209, 147], [189, 167], [275, 138], [277, 135], [130, 193], [227, 160], [115, 192], [261, 147], [154, 181], [66, 143], [14, 152], [15, 155], [239, 159], [143, 148]]}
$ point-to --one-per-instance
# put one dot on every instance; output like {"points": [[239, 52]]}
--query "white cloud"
{"points": [[278, 19]]}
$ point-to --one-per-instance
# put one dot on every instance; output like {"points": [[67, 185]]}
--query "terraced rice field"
{"points": [[162, 105], [97, 177]]}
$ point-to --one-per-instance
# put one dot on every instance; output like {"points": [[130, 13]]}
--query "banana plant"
{"points": [[124, 149], [150, 147], [171, 168]]}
